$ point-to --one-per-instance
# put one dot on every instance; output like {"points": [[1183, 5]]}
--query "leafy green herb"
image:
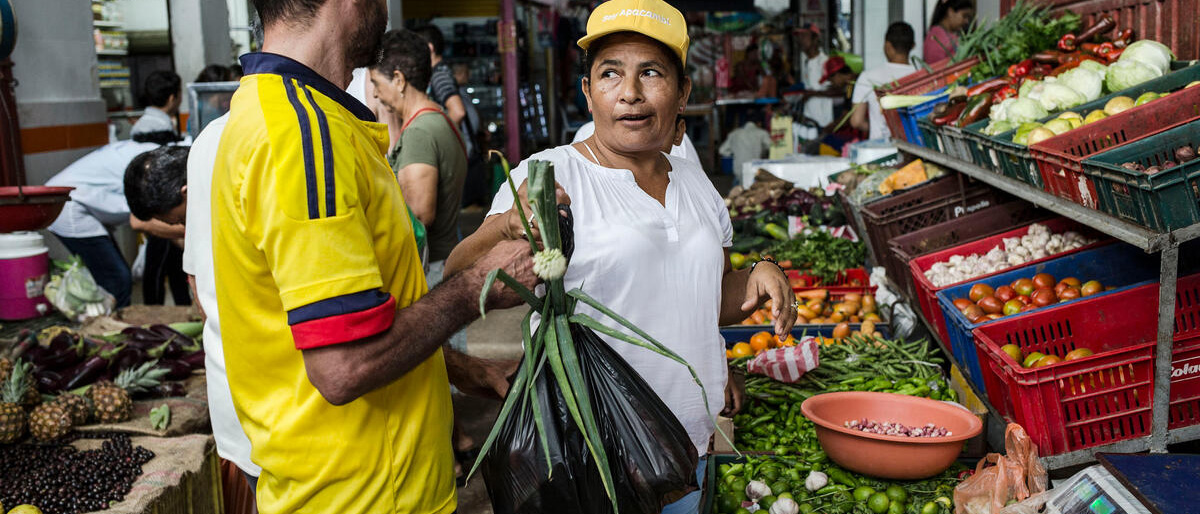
{"points": [[1027, 29], [821, 254], [160, 417]]}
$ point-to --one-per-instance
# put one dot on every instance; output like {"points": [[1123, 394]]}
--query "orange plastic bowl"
{"points": [[885, 456]]}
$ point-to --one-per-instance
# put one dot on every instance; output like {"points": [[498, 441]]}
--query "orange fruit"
{"points": [[742, 350], [758, 317], [729, 354], [789, 341], [760, 341]]}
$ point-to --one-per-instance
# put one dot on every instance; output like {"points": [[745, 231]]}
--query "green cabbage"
{"points": [[1125, 74], [1151, 53], [1088, 64], [998, 127], [1017, 110], [1086, 82], [1027, 87]]}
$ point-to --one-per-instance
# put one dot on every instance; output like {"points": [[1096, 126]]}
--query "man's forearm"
{"points": [[469, 250], [733, 292], [343, 373]]}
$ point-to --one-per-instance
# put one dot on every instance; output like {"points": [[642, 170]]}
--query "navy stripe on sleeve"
{"points": [[310, 165], [338, 305], [327, 156]]}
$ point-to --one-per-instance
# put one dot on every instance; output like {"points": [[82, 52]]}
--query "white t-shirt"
{"points": [[864, 91], [660, 267], [232, 443], [818, 109], [97, 204], [684, 150]]}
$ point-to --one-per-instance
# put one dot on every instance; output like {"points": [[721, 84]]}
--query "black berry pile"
{"points": [[61, 479]]}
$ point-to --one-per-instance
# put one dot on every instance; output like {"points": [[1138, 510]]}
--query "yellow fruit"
{"points": [[742, 350], [1118, 105], [1013, 351], [25, 509], [1078, 353], [1095, 116]]}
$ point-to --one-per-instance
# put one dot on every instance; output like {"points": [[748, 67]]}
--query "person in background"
{"points": [[442, 87], [97, 208], [164, 256], [746, 143], [214, 73], [867, 116], [477, 186], [950, 17], [840, 78], [470, 125], [816, 107], [332, 342]]}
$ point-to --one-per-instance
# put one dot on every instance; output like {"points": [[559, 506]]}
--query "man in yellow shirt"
{"points": [[331, 342]]}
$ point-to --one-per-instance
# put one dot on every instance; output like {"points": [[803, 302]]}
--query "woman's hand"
{"points": [[769, 281], [514, 229]]}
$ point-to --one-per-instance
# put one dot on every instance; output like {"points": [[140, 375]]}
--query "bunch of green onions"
{"points": [[551, 344]]}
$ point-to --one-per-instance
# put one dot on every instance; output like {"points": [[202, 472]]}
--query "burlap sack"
{"points": [[189, 414], [182, 477]]}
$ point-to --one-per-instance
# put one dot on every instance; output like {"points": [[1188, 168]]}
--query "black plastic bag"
{"points": [[651, 456]]}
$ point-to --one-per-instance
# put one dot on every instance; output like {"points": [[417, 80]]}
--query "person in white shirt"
{"points": [[867, 115], [746, 143], [162, 92], [816, 108], [650, 228], [684, 149]]}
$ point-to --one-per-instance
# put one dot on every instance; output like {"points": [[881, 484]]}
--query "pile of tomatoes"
{"points": [[1023, 295]]}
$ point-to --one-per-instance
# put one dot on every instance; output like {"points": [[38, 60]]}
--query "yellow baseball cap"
{"points": [[652, 18]]}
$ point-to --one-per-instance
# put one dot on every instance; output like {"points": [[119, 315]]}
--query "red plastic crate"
{"points": [[842, 284], [1060, 158], [926, 292], [918, 83], [1103, 398]]}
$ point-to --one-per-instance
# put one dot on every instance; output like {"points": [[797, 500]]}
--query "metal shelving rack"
{"points": [[1164, 243]]}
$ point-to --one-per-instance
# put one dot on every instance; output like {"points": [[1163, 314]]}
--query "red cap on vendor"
{"points": [[655, 19], [832, 66]]}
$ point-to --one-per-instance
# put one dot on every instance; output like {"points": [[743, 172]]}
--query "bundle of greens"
{"points": [[1026, 29], [580, 430], [822, 254]]}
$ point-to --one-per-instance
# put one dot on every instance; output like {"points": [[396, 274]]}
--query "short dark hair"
{"points": [[214, 73], [153, 181], [273, 11], [158, 137], [159, 86], [673, 60], [433, 36], [405, 51], [900, 35]]}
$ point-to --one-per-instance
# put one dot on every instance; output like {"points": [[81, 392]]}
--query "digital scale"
{"points": [[1131, 484]]}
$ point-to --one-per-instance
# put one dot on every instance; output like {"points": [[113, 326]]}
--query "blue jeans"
{"points": [[102, 257], [690, 504]]}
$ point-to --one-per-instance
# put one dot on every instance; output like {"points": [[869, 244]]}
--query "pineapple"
{"points": [[112, 402], [49, 421], [76, 406], [12, 416], [6, 367]]}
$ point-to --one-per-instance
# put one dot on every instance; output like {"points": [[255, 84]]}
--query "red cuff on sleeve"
{"points": [[344, 328]]}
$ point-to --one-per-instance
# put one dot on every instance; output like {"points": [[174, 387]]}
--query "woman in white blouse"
{"points": [[651, 232]]}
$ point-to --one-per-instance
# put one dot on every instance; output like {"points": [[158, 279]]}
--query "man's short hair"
{"points": [[433, 36], [153, 181], [405, 51], [273, 11], [159, 86], [900, 35]]}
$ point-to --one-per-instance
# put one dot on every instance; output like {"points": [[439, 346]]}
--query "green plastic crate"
{"points": [[929, 134], [1014, 161], [1167, 200]]}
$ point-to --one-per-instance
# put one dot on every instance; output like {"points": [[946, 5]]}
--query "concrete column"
{"points": [[200, 36], [58, 94], [395, 14]]}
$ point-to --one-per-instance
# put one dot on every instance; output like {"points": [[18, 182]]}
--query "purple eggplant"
{"points": [[128, 357], [48, 381], [85, 373], [142, 338], [176, 370], [168, 390], [195, 360]]}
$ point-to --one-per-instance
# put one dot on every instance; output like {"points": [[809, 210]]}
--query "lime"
{"points": [[896, 508], [742, 510], [930, 508], [765, 502], [779, 487], [783, 495], [896, 493], [806, 508], [738, 485], [863, 493], [878, 503], [729, 503], [769, 475]]}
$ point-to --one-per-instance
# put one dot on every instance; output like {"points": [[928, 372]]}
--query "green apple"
{"points": [[1147, 97], [1058, 126], [1095, 116]]}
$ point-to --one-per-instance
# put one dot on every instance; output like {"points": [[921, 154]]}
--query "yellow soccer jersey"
{"points": [[313, 246]]}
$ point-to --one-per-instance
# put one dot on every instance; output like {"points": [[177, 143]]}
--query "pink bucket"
{"points": [[24, 270]]}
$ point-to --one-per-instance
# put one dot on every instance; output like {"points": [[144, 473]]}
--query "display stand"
{"points": [[1166, 244]]}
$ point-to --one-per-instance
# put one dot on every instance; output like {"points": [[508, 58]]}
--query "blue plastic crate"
{"points": [[1115, 264], [742, 333], [910, 115]]}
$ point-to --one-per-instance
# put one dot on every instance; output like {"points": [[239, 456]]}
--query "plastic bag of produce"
{"points": [[76, 294], [1000, 478], [789, 363], [580, 430], [652, 458]]}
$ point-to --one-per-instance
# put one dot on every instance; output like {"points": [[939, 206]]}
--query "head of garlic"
{"points": [[784, 506], [756, 490], [816, 480]]}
